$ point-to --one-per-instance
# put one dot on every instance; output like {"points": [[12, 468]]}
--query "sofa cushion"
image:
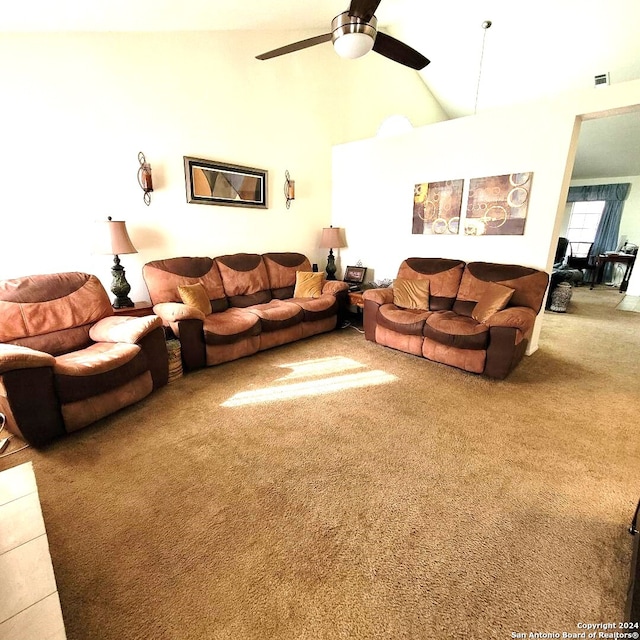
{"points": [[163, 277], [230, 326], [195, 295], [308, 284], [58, 342], [277, 314], [411, 293], [245, 279], [97, 369], [443, 275], [281, 269], [98, 358], [529, 285], [51, 312], [494, 299], [320, 308], [405, 321], [453, 330]]}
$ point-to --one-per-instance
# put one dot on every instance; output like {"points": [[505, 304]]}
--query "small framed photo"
{"points": [[354, 275]]}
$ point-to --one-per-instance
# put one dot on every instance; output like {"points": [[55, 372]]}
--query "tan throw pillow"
{"points": [[494, 299], [411, 294], [195, 295], [308, 284]]}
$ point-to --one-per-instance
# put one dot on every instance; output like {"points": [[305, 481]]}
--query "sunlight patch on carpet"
{"points": [[320, 367], [323, 381]]}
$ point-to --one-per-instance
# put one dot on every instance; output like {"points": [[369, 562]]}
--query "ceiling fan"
{"points": [[354, 33]]}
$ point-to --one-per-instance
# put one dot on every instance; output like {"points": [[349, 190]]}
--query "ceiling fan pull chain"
{"points": [[485, 25]]}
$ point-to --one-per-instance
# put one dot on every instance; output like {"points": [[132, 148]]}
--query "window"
{"points": [[583, 224]]}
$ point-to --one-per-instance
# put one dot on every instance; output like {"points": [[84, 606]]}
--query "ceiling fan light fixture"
{"points": [[353, 37]]}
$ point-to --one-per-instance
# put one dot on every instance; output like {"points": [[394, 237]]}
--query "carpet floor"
{"points": [[334, 488]]}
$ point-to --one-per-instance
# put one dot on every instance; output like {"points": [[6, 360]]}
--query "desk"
{"points": [[623, 258]]}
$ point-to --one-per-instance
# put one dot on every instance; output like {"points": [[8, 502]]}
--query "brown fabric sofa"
{"points": [[66, 360], [445, 329], [252, 304]]}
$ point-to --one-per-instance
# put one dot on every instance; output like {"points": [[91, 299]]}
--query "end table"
{"points": [[140, 309]]}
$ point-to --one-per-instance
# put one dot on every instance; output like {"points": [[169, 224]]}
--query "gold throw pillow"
{"points": [[195, 295], [409, 293], [308, 284], [494, 299]]}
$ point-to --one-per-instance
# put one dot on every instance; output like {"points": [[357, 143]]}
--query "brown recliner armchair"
{"points": [[66, 360]]}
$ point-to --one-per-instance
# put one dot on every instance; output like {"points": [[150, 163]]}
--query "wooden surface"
{"points": [[140, 309], [356, 299], [623, 258]]}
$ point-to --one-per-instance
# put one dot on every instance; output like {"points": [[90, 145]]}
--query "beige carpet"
{"points": [[407, 500]]}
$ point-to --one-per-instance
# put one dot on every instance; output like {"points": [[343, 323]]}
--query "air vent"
{"points": [[602, 80]]}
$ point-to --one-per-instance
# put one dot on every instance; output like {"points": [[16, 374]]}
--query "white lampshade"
{"points": [[352, 36], [353, 45], [111, 238]]}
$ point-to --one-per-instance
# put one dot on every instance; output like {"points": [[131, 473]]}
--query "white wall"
{"points": [[374, 179], [77, 109]]}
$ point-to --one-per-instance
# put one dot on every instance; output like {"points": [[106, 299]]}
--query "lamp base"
{"points": [[331, 266], [119, 286], [122, 303]]}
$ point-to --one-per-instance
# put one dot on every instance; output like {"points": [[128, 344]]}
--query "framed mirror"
{"points": [[210, 182]]}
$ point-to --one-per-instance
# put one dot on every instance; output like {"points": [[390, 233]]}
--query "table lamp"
{"points": [[112, 239], [331, 239]]}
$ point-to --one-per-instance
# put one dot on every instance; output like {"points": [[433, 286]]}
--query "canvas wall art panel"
{"points": [[437, 207], [497, 206]]}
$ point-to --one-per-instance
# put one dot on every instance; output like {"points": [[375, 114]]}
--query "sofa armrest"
{"points": [[194, 349], [125, 329], [509, 331], [522, 318], [29, 399], [373, 300], [334, 287], [16, 357], [379, 296], [171, 312]]}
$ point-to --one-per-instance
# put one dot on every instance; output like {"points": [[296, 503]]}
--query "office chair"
{"points": [[580, 256], [561, 252]]}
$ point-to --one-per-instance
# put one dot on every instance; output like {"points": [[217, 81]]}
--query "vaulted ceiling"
{"points": [[531, 51]]}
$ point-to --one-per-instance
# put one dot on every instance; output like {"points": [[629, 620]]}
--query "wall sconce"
{"points": [[111, 239], [144, 178], [289, 188]]}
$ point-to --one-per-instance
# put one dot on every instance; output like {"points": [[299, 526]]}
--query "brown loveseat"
{"points": [[477, 316], [66, 360], [239, 304]]}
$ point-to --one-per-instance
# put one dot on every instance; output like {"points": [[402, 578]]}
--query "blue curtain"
{"points": [[614, 195]]}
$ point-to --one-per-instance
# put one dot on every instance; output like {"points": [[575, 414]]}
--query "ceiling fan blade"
{"points": [[296, 46], [397, 51], [363, 8]]}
